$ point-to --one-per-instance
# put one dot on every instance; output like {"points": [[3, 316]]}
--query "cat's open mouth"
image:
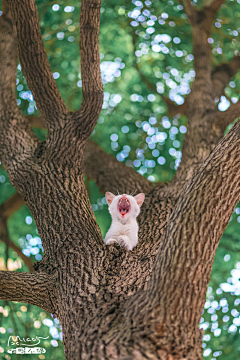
{"points": [[123, 206]]}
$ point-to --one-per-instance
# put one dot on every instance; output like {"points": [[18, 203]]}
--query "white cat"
{"points": [[124, 210]]}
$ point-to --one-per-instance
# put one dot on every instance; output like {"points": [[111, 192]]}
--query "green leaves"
{"points": [[146, 52]]}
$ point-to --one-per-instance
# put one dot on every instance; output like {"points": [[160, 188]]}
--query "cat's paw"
{"points": [[111, 241], [123, 240]]}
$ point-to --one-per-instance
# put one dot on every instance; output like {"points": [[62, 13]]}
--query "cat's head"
{"points": [[124, 207]]}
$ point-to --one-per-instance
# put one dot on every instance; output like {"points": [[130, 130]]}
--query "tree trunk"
{"points": [[113, 303]]}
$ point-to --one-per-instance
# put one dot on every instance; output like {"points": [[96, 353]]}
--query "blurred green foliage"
{"points": [[146, 53]]}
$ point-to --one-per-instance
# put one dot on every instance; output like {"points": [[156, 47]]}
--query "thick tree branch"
{"points": [[86, 117], [17, 141], [35, 64], [26, 159], [152, 317], [29, 288], [185, 257], [8, 58], [194, 231]]}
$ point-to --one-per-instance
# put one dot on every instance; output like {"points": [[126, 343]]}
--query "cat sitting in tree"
{"points": [[124, 210]]}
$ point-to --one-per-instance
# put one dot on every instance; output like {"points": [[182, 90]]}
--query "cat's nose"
{"points": [[124, 196]]}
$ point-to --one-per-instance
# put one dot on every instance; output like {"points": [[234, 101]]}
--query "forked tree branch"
{"points": [[108, 173], [39, 77], [29, 288], [86, 117], [35, 64]]}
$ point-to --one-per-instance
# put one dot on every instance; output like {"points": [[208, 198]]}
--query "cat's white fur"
{"points": [[124, 229]]}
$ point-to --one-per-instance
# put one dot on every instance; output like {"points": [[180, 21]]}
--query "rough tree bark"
{"points": [[112, 303]]}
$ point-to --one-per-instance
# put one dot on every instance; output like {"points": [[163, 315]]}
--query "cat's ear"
{"points": [[139, 198], [109, 197]]}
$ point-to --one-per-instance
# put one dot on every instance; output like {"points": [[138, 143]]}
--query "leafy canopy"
{"points": [[146, 55]]}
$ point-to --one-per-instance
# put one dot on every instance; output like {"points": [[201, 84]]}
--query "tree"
{"points": [[112, 303]]}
